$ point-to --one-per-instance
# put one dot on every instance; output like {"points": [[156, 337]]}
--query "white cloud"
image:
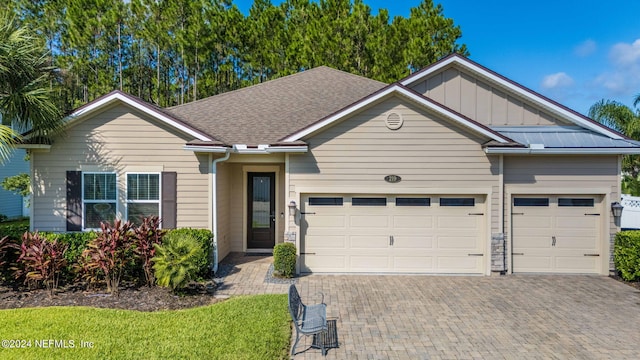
{"points": [[624, 55], [622, 79], [557, 80], [586, 48]]}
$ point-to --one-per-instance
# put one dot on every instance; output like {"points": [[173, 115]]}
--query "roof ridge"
{"points": [[270, 82]]}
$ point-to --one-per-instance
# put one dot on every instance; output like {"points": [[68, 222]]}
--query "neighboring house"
{"points": [[13, 205], [630, 219], [454, 169]]}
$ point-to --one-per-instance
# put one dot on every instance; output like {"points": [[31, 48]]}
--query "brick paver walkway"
{"points": [[461, 317]]}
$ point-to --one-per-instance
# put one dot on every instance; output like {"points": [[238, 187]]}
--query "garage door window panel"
{"points": [[326, 201], [457, 202], [575, 202], [360, 201], [413, 201], [542, 202]]}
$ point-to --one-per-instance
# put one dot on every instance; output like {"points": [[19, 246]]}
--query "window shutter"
{"points": [[169, 195], [74, 201]]}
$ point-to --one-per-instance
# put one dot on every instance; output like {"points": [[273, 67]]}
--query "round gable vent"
{"points": [[393, 121]]}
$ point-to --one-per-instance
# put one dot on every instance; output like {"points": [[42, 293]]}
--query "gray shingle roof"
{"points": [[264, 113], [562, 137]]}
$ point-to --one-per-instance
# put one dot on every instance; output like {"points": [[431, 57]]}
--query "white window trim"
{"points": [[84, 201], [126, 197]]}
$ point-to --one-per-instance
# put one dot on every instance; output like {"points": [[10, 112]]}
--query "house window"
{"points": [[99, 198], [143, 196]]}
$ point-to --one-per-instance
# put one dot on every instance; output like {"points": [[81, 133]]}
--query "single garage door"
{"points": [[556, 234], [393, 233]]}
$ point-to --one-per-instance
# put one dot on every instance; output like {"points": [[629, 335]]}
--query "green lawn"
{"points": [[255, 327]]}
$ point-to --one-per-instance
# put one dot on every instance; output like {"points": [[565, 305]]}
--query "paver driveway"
{"points": [[460, 317]]}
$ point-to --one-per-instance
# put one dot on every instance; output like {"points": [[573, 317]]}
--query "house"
{"points": [[13, 205], [454, 169]]}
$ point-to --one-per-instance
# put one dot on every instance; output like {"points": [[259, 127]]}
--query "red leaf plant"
{"points": [[145, 236], [106, 257], [40, 260]]}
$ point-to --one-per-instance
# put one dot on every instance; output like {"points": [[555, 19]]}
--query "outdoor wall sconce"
{"points": [[292, 208], [616, 209]]}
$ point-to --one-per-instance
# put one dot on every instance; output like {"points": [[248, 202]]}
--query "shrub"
{"points": [[40, 260], [177, 260], [284, 260], [3, 218], [146, 236], [627, 254], [76, 243], [14, 229], [205, 239], [108, 255]]}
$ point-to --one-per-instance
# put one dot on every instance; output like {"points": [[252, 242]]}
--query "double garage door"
{"points": [[556, 234], [393, 233]]}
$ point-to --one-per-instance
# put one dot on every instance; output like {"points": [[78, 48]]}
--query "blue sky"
{"points": [[573, 51]]}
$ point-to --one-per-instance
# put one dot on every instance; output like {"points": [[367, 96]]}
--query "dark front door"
{"points": [[261, 227]]}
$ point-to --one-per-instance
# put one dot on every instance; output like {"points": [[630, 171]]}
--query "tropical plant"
{"points": [[176, 261], [625, 120], [40, 260], [146, 236], [25, 82], [106, 257], [205, 239]]}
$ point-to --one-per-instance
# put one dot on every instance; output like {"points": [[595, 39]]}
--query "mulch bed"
{"points": [[130, 298]]}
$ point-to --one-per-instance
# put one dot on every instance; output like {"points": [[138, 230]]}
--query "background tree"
{"points": [[625, 120], [170, 52], [25, 83]]}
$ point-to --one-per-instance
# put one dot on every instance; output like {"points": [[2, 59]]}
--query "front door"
{"points": [[261, 226]]}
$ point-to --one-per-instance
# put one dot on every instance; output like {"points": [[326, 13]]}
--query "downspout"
{"points": [[214, 205]]}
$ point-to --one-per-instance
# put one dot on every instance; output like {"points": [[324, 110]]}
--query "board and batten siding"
{"points": [[431, 155], [479, 100], [564, 175], [120, 139]]}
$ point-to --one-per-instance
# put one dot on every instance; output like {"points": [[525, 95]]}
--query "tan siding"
{"points": [[123, 140], [427, 152], [236, 208], [481, 101], [224, 204]]}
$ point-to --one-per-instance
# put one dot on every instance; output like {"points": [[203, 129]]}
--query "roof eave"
{"points": [[244, 149], [407, 93], [561, 151], [540, 99], [114, 96]]}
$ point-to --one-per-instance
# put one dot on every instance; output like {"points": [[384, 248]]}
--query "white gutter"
{"points": [[214, 205], [563, 151], [244, 149], [206, 149]]}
